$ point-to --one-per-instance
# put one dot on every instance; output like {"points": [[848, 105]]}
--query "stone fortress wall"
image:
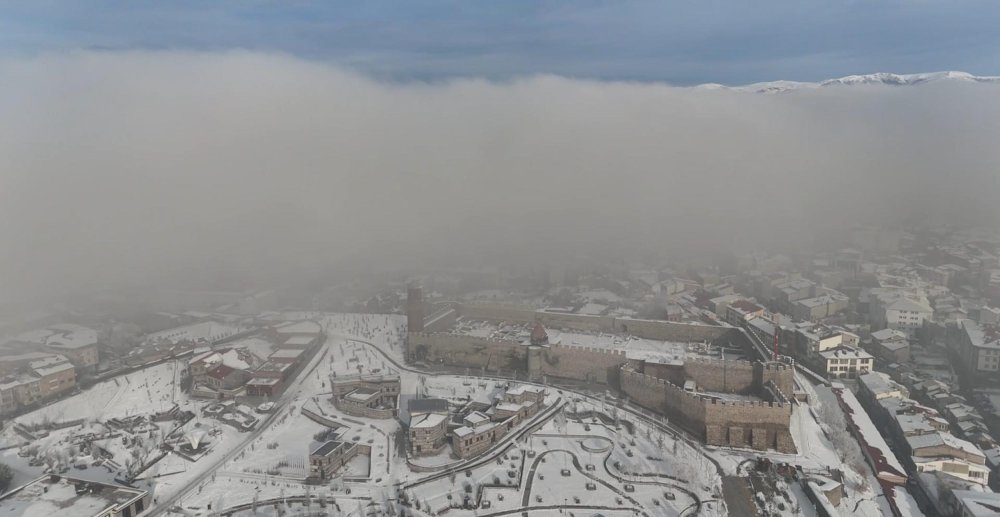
{"points": [[755, 424], [468, 351], [434, 345], [599, 365], [721, 376], [647, 329], [659, 387]]}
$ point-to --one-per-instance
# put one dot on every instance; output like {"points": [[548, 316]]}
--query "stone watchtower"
{"points": [[538, 335], [414, 309]]}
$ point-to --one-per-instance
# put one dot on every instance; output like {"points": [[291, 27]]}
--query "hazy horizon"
{"points": [[126, 166]]}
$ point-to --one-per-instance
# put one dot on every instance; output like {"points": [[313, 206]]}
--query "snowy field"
{"points": [[141, 392]]}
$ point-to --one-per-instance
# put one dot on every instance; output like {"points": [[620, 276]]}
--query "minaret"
{"points": [[414, 308]]}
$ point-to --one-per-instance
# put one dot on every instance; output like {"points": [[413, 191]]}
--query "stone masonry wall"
{"points": [[758, 425], [720, 376], [663, 397], [670, 331], [468, 351], [580, 363], [781, 375]]}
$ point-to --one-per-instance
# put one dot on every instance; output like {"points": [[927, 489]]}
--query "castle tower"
{"points": [[539, 336], [414, 309]]}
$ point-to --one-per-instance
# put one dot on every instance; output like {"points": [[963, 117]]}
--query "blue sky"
{"points": [[731, 42]]}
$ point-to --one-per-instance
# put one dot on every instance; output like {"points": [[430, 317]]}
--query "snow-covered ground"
{"points": [[138, 394], [591, 466], [141, 392]]}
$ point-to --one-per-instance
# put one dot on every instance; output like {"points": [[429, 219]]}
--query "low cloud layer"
{"points": [[130, 166]]}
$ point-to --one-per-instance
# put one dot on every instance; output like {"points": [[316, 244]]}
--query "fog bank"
{"points": [[131, 166]]}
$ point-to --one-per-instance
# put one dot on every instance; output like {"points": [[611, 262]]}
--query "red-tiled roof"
{"points": [[221, 372]]}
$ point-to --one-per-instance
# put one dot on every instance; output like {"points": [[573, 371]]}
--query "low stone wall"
{"points": [[361, 410], [320, 419]]}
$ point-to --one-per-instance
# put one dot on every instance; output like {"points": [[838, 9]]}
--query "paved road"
{"points": [[739, 500]]}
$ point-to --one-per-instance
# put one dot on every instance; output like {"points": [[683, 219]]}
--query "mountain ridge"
{"points": [[879, 78]]}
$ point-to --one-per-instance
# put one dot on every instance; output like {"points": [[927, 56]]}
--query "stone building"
{"points": [[371, 396], [477, 435], [759, 418], [480, 431], [330, 456], [428, 426]]}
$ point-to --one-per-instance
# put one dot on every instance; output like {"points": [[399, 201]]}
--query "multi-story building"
{"points": [[903, 309], [224, 377], [907, 315], [79, 344], [477, 435], [55, 374], [8, 396], [480, 431], [891, 345], [816, 338], [819, 307], [741, 311], [942, 451], [27, 390], [787, 292], [330, 456], [845, 362], [76, 343], [428, 427], [965, 470], [978, 347]]}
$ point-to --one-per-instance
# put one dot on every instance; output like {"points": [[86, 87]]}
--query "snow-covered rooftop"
{"points": [[877, 447], [942, 439], [48, 496], [427, 420]]}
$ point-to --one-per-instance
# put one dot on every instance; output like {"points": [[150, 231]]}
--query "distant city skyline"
{"points": [[702, 42]]}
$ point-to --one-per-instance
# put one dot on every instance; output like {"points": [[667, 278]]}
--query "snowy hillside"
{"points": [[881, 78]]}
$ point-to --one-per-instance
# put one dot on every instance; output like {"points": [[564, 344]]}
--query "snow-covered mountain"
{"points": [[881, 78]]}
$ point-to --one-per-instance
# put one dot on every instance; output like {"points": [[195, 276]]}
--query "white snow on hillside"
{"points": [[881, 78]]}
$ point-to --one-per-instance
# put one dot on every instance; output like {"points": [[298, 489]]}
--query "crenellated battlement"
{"points": [[471, 340], [591, 349], [758, 424], [735, 363], [745, 403], [774, 367]]}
